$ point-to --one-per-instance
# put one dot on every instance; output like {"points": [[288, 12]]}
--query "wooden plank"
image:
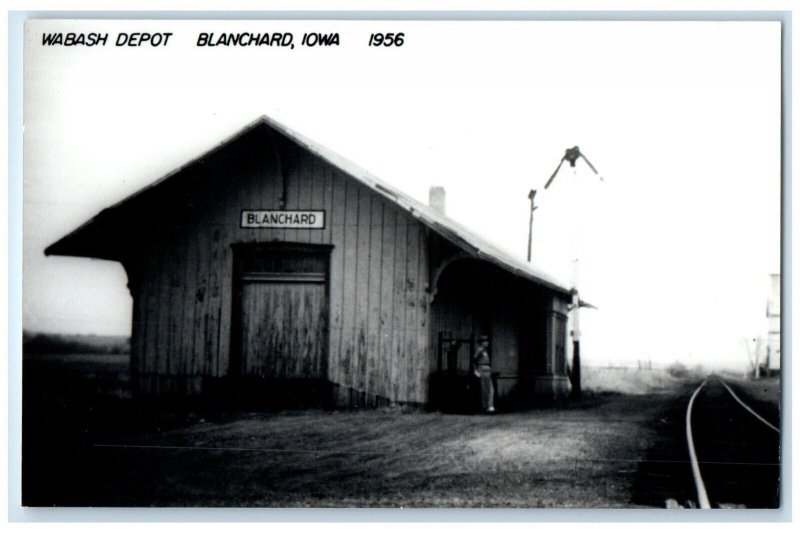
{"points": [[296, 174], [211, 212], [271, 366], [214, 302], [303, 343], [153, 289], [249, 194], [258, 174], [318, 179], [249, 326], [190, 285], [199, 300], [265, 177], [137, 330], [220, 209], [281, 308], [425, 356], [411, 361], [176, 268], [229, 232], [250, 176], [225, 316], [322, 334], [162, 343], [398, 374], [139, 326], [268, 197], [305, 178], [349, 245], [328, 202], [257, 367], [362, 288], [374, 298], [244, 312], [141, 332], [313, 311], [177, 302], [385, 353], [336, 282]]}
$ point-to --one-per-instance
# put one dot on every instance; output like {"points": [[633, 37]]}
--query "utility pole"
{"points": [[576, 336], [753, 356], [531, 196], [757, 342]]}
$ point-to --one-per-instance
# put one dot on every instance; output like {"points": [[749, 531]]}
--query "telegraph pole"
{"points": [[531, 196]]}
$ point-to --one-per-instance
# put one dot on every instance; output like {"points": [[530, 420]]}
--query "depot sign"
{"points": [[283, 219]]}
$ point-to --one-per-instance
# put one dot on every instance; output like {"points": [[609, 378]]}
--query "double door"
{"points": [[282, 306]]}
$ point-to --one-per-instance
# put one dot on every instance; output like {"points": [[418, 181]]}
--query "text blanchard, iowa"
{"points": [[162, 39]]}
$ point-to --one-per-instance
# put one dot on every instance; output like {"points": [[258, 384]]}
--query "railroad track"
{"points": [[736, 454], [734, 451]]}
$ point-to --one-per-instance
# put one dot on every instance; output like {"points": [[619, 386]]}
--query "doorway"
{"points": [[280, 326]]}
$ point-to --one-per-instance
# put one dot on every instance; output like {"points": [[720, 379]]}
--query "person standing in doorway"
{"points": [[483, 370]]}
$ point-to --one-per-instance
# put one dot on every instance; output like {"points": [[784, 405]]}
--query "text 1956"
{"points": [[387, 39]]}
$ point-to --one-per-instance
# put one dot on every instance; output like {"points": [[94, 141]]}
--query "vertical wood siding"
{"points": [[269, 347], [377, 345]]}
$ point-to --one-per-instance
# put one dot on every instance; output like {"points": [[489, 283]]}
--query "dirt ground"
{"points": [[763, 395], [85, 452], [762, 390]]}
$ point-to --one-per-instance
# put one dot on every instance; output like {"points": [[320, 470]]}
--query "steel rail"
{"points": [[752, 412], [702, 495]]}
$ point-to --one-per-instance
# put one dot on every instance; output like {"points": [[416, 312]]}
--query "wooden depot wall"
{"points": [[180, 267]]}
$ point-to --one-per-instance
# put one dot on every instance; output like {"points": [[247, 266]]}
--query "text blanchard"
{"points": [[245, 39], [282, 219]]}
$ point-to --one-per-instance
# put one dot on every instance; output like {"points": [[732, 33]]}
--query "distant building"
{"points": [[273, 266], [773, 356]]}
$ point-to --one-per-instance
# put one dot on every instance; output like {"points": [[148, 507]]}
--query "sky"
{"points": [[681, 119]]}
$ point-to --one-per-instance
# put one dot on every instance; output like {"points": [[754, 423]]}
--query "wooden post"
{"points": [[576, 369]]}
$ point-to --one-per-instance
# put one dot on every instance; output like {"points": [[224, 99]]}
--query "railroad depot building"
{"points": [[271, 265]]}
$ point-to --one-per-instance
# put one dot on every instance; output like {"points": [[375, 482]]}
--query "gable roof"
{"points": [[79, 242]]}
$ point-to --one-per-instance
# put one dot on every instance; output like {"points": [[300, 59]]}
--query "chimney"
{"points": [[436, 199]]}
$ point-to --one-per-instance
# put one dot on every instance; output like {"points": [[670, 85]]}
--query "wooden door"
{"points": [[283, 313], [283, 329]]}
